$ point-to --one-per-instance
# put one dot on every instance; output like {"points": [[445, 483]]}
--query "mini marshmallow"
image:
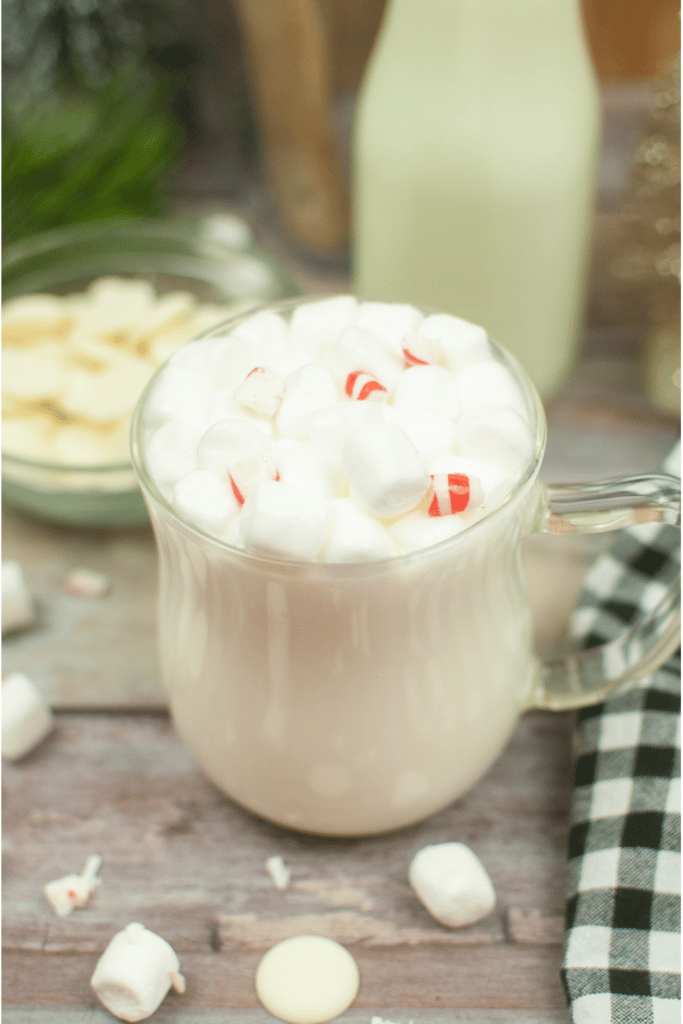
{"points": [[238, 454], [181, 393], [284, 521], [461, 341], [172, 452], [26, 716], [278, 871], [428, 387], [418, 351], [86, 583], [358, 348], [392, 321], [489, 383], [431, 431], [331, 428], [496, 434], [206, 501], [360, 386], [410, 533], [317, 325], [135, 973], [454, 492], [73, 891], [268, 329], [354, 536], [224, 407], [261, 391], [310, 468], [308, 389], [452, 883], [385, 469], [17, 604]]}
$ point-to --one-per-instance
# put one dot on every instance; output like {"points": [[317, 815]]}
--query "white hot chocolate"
{"points": [[338, 490]]}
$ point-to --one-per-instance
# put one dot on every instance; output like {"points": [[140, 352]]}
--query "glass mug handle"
{"points": [[587, 676]]}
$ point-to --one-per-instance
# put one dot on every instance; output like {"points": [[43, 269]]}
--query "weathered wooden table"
{"points": [[114, 779]]}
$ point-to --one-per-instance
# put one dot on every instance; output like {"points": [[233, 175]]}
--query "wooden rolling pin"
{"points": [[288, 54]]}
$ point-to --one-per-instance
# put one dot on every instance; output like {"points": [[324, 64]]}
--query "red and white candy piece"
{"points": [[361, 385], [454, 492], [419, 351], [71, 891], [262, 391]]}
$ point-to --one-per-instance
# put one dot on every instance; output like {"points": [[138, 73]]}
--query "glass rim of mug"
{"points": [[151, 491]]}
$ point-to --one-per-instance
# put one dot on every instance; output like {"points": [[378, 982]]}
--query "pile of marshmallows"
{"points": [[351, 431]]}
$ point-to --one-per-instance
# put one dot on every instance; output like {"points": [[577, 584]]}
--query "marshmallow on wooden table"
{"points": [[496, 434], [26, 716], [358, 348], [461, 341], [452, 883], [181, 393], [428, 387], [135, 973], [354, 536], [284, 521], [317, 325], [206, 501], [83, 582], [278, 871], [73, 891], [172, 452], [392, 321], [331, 428], [17, 604], [304, 465], [308, 389], [385, 470], [237, 453]]}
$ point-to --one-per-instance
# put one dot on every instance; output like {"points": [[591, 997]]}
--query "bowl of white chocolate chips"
{"points": [[88, 314]]}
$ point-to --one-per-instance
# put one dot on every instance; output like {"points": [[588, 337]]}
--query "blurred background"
{"points": [[140, 108]]}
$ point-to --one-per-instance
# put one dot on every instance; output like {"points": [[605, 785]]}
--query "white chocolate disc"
{"points": [[307, 979]]}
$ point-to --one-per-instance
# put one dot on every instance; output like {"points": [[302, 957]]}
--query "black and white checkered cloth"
{"points": [[622, 944]]}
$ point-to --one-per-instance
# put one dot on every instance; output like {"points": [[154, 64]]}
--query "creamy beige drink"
{"points": [[345, 634]]}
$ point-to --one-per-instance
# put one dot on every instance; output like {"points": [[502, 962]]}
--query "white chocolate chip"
{"points": [[307, 979]]}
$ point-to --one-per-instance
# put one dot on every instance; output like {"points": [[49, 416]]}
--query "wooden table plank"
{"points": [[190, 864]]}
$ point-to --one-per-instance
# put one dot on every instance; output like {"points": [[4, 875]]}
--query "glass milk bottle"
{"points": [[475, 149]]}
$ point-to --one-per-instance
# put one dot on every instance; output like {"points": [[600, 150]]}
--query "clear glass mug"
{"points": [[351, 699]]}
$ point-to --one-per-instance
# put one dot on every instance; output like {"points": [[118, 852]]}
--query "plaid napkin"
{"points": [[622, 944]]}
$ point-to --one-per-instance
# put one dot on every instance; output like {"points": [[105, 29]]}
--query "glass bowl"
{"points": [[174, 254]]}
